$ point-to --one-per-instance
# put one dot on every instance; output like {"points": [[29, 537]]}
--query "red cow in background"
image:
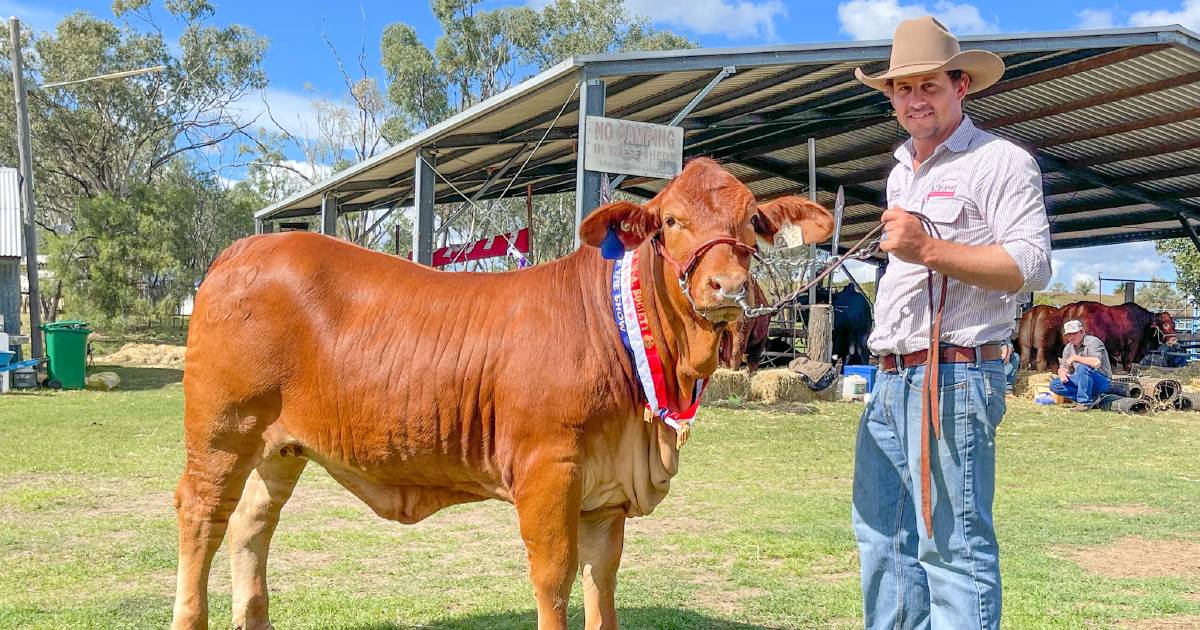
{"points": [[1039, 338], [1128, 331]]}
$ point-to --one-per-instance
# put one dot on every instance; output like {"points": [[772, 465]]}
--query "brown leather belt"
{"points": [[950, 354]]}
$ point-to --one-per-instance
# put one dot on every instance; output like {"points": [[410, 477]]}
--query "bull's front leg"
{"points": [[547, 497], [601, 539]]}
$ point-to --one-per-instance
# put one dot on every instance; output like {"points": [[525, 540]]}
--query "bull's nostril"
{"points": [[715, 284]]}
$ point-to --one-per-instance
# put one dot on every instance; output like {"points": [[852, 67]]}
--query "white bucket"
{"points": [[854, 387]]}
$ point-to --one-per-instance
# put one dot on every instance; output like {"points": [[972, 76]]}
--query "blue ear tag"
{"points": [[611, 248]]}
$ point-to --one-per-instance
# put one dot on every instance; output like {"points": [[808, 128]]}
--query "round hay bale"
{"points": [[726, 384]]}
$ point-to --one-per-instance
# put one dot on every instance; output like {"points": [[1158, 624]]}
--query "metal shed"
{"points": [[1112, 116], [11, 251]]}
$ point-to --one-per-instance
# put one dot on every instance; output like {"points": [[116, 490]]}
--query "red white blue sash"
{"points": [[629, 311]]}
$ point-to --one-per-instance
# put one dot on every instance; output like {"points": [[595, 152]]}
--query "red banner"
{"points": [[490, 247]]}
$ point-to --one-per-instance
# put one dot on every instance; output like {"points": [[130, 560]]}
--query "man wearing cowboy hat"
{"points": [[925, 458]]}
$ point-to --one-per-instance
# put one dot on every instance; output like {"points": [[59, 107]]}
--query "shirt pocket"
{"points": [[944, 210]]}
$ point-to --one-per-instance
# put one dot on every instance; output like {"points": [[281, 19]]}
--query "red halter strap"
{"points": [[684, 271]]}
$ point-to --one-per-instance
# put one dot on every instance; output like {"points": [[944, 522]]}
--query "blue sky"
{"points": [[298, 61]]}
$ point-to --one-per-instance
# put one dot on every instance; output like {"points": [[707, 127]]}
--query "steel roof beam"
{"points": [[1112, 239], [1121, 189], [1125, 127], [1099, 99]]}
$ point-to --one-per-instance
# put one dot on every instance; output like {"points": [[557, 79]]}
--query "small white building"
{"points": [[11, 250]]}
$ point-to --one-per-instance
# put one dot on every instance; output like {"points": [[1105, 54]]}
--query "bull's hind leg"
{"points": [[548, 502], [250, 530], [222, 450], [601, 539]]}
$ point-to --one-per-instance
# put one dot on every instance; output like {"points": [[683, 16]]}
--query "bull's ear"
{"points": [[795, 219], [628, 224]]}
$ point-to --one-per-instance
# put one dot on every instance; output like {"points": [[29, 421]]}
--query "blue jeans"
{"points": [[910, 579], [1086, 385], [1010, 370]]}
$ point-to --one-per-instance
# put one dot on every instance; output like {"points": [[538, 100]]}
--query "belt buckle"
{"points": [[899, 362]]}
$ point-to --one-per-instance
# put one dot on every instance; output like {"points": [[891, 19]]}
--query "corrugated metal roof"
{"points": [[10, 214], [1113, 115]]}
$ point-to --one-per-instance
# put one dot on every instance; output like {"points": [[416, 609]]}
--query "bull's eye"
{"points": [[670, 222]]}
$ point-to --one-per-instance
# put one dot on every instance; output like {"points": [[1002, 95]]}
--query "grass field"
{"points": [[1098, 518]]}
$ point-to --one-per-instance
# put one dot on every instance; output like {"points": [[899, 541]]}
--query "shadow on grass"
{"points": [[137, 378], [657, 618]]}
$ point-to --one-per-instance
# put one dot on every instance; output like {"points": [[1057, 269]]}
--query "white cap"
{"points": [[1072, 326]]}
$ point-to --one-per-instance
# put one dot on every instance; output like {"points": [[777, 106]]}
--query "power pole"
{"points": [[25, 168]]}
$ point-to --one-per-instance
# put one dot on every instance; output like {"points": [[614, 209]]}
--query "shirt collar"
{"points": [[958, 142]]}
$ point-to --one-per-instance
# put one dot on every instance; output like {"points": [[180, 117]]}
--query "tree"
{"points": [[1159, 296], [1186, 258], [142, 254], [104, 147], [1084, 286], [483, 52], [107, 137]]}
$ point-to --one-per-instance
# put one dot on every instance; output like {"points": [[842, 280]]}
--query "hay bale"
{"points": [[783, 385], [1028, 383], [146, 354], [725, 384]]}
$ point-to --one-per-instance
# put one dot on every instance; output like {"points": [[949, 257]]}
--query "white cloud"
{"points": [[1095, 19], [1188, 15], [1138, 261], [731, 18], [227, 183], [292, 110], [863, 272], [877, 19], [32, 15]]}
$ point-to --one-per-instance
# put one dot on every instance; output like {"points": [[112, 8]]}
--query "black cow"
{"points": [[852, 322]]}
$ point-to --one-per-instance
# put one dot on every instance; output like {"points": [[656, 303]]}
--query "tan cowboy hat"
{"points": [[922, 45]]}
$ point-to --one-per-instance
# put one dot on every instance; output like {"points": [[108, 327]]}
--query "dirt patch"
{"points": [[1133, 557], [1189, 622], [1119, 510], [146, 354]]}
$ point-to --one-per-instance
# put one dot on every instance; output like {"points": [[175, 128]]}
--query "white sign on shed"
{"points": [[10, 214], [632, 148]]}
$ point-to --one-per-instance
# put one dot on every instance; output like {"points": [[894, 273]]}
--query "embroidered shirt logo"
{"points": [[942, 190]]}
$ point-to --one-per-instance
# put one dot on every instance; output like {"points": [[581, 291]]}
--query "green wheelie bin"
{"points": [[66, 346]]}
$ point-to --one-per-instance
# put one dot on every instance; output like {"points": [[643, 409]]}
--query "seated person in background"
{"points": [[1084, 371], [1011, 361]]}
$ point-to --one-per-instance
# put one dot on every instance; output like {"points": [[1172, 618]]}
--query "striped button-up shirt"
{"points": [[979, 190]]}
